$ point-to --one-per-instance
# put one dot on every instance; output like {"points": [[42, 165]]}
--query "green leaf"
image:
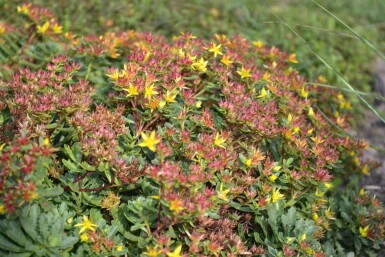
{"points": [[86, 166], [92, 199], [69, 152], [50, 192], [17, 255], [29, 220], [108, 174], [70, 165], [68, 242], [14, 232], [132, 237], [7, 245]]}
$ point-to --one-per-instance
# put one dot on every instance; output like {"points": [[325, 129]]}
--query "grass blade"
{"points": [[336, 72], [371, 95], [364, 40]]}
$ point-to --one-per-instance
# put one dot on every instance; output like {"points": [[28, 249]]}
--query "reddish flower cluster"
{"points": [[37, 98], [17, 163], [98, 133]]}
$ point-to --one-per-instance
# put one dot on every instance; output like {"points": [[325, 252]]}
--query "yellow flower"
{"points": [[329, 214], [86, 224], [277, 168], [131, 90], [153, 104], [149, 91], [161, 104], [248, 162], [263, 93], [2, 29], [364, 231], [2, 209], [176, 206], [219, 141], [119, 248], [149, 141], [24, 9], [304, 93], [170, 96], [276, 196], [311, 112], [57, 29], [315, 217], [200, 65], [319, 193], [289, 118], [273, 178], [115, 74], [328, 185], [362, 192], [292, 58], [152, 251], [222, 194], [322, 79], [46, 142], [258, 43], [266, 76], [43, 28], [84, 238], [215, 49], [365, 170], [226, 60], [245, 73], [176, 252]]}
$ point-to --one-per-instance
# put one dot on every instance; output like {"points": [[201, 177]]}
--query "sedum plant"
{"points": [[37, 233], [176, 148]]}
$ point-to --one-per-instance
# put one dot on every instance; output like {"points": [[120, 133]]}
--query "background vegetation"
{"points": [[254, 19]]}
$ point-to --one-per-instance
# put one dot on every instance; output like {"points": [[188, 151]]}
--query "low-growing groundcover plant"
{"points": [[128, 144]]}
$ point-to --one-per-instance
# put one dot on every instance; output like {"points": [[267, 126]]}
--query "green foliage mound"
{"points": [[129, 144]]}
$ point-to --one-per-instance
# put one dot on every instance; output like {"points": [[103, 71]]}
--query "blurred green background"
{"points": [[254, 19]]}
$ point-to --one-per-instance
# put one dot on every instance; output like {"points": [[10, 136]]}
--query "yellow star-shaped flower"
{"points": [[170, 96], [176, 206], [57, 29], [149, 91], [84, 238], [131, 90], [152, 251], [219, 141], [222, 194], [149, 141], [258, 43], [226, 60], [215, 49], [364, 231], [245, 73], [176, 252], [41, 29], [292, 58], [86, 224], [200, 65], [263, 93], [276, 196]]}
